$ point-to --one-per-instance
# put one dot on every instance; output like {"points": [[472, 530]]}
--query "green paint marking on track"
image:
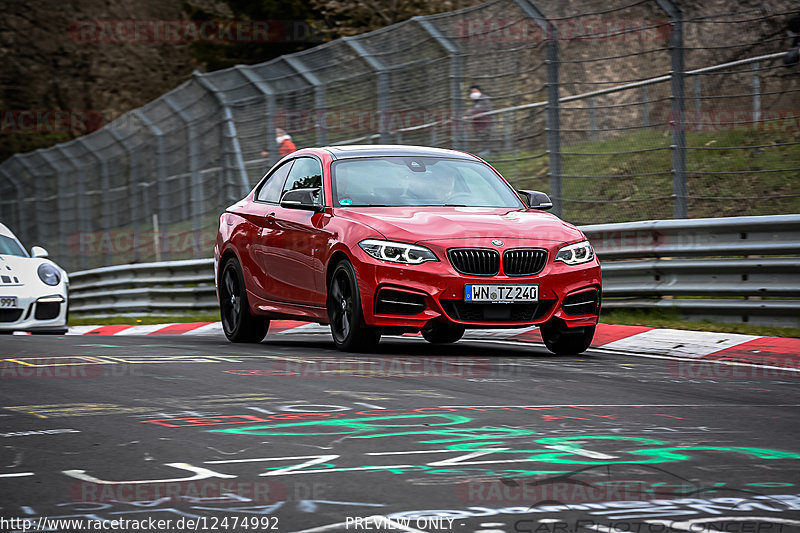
{"points": [[99, 346]]}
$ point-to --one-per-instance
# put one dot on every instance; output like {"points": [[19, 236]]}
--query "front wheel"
{"points": [[562, 340], [442, 333], [238, 323], [350, 333]]}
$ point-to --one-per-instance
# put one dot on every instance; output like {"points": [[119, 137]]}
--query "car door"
{"points": [[297, 242], [262, 218]]}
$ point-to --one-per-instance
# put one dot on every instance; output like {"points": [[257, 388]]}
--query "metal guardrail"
{"points": [[718, 263]]}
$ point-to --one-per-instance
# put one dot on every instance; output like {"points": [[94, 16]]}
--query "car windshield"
{"points": [[419, 181], [9, 246]]}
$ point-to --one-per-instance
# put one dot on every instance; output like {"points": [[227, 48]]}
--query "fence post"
{"points": [[230, 129], [756, 95], [382, 87], [269, 118], [698, 105], [678, 96], [553, 120], [195, 180], [20, 211], [319, 95], [456, 99], [63, 187], [161, 178]]}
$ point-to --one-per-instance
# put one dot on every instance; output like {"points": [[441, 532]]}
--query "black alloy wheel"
{"points": [[238, 323], [349, 331]]}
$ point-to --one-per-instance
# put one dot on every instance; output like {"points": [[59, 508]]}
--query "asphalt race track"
{"points": [[292, 435]]}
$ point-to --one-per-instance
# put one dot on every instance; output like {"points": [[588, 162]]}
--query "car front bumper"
{"points": [[442, 290], [40, 313]]}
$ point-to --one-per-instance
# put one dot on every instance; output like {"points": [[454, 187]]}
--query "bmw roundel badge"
{"points": [[497, 242]]}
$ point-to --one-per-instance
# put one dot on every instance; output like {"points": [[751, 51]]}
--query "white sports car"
{"points": [[33, 289]]}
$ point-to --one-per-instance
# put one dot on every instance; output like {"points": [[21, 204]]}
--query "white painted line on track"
{"points": [[143, 330], [214, 328], [80, 330], [694, 344], [18, 474]]}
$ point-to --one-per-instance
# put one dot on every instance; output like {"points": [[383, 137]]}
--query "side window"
{"points": [[271, 191], [305, 174]]}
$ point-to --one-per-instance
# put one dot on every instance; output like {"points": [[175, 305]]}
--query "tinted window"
{"points": [[271, 191], [9, 246], [306, 174]]}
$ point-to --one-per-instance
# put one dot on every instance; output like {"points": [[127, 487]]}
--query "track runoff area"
{"points": [[652, 431]]}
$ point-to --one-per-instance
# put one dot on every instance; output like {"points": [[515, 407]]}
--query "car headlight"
{"points": [[49, 274], [575, 254], [397, 252]]}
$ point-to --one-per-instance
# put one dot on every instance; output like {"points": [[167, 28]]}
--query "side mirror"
{"points": [[38, 251], [306, 199], [537, 200]]}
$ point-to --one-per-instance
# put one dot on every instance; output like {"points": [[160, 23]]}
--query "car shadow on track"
{"points": [[410, 346]]}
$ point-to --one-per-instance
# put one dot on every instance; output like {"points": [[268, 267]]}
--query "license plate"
{"points": [[501, 293], [8, 301]]}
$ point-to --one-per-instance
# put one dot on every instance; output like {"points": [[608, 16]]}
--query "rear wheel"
{"points": [[349, 331], [442, 333], [238, 323], [562, 340]]}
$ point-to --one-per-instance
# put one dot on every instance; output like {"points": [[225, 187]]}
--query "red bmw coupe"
{"points": [[391, 239]]}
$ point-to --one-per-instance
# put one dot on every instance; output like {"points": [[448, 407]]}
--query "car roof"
{"points": [[395, 150]]}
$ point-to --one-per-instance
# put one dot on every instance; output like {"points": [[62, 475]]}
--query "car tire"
{"points": [[238, 323], [562, 340], [442, 333], [350, 332]]}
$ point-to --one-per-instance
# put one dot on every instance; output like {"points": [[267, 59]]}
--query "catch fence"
{"points": [[635, 111]]}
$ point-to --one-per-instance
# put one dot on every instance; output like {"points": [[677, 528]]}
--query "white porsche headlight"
{"points": [[397, 252], [49, 274], [575, 254]]}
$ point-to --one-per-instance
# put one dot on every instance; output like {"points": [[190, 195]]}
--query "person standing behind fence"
{"points": [[284, 142], [481, 125]]}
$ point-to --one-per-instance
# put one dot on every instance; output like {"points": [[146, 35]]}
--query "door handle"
{"points": [[271, 218]]}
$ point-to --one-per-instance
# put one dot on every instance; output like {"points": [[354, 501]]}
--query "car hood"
{"points": [[24, 269], [432, 224]]}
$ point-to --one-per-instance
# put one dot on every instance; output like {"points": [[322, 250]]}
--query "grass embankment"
{"points": [[616, 197]]}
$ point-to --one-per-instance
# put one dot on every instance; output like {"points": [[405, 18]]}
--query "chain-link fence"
{"points": [[630, 112]]}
